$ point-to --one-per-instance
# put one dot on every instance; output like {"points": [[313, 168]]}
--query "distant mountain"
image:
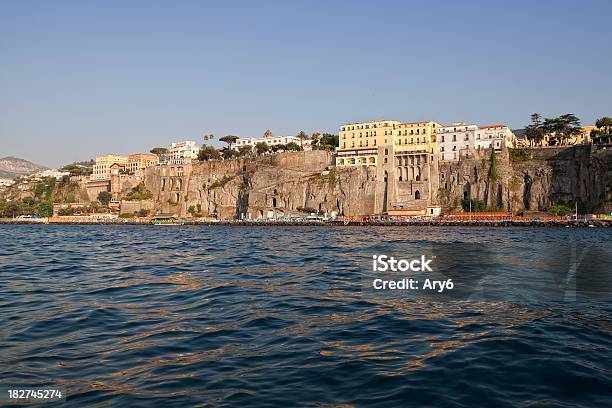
{"points": [[12, 167], [519, 133]]}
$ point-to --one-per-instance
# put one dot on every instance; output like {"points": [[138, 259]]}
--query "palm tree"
{"points": [[206, 138]]}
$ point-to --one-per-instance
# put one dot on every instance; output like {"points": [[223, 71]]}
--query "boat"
{"points": [[166, 219]]}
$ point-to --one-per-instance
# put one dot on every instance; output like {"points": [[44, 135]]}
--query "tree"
{"points": [[77, 170], [13, 209], [206, 138], [605, 125], [535, 134], [562, 128], [229, 153], [229, 139], [104, 197], [28, 200], [292, 146], [604, 129], [536, 119], [207, 153], [45, 209], [262, 147], [159, 151], [139, 193], [316, 137], [245, 150], [493, 169], [328, 141]]}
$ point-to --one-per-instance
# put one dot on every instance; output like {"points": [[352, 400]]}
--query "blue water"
{"points": [[144, 316]]}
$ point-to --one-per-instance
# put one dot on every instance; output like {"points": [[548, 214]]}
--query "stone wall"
{"points": [[130, 207]]}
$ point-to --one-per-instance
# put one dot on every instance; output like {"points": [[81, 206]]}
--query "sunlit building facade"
{"points": [[101, 170]]}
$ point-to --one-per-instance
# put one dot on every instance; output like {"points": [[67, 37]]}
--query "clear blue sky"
{"points": [[81, 78]]}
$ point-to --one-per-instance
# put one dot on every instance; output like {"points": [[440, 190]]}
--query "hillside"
{"points": [[12, 167]]}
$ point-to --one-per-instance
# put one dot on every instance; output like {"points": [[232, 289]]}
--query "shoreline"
{"points": [[505, 223]]}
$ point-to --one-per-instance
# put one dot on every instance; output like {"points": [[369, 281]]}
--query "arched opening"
{"points": [[417, 195], [274, 201], [178, 197]]}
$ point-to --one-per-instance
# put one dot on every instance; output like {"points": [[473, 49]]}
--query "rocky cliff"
{"points": [[280, 184], [531, 179], [304, 182]]}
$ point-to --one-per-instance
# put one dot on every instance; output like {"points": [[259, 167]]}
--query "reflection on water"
{"points": [[144, 316]]}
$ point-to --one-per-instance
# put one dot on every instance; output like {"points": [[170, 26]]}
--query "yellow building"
{"points": [[416, 136], [101, 170], [359, 142], [402, 156]]}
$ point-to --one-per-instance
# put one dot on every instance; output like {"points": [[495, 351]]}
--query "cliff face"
{"points": [[280, 184], [531, 179], [303, 182]]}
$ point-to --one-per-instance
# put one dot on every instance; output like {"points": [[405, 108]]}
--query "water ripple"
{"points": [[228, 316]]}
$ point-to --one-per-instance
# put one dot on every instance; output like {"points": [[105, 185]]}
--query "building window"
{"points": [[417, 195]]}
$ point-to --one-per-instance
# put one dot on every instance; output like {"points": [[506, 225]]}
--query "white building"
{"points": [[456, 140], [488, 137], [271, 140], [56, 174], [459, 139], [183, 152], [4, 182]]}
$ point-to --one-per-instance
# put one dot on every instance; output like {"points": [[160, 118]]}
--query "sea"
{"points": [[282, 316]]}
